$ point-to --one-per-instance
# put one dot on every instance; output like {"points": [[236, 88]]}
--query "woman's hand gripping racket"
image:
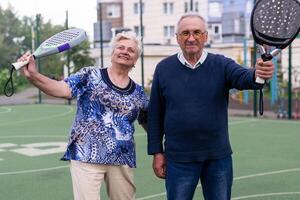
{"points": [[59, 42], [275, 23]]}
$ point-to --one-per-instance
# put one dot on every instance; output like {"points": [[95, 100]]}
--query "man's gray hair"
{"points": [[191, 14], [125, 36]]}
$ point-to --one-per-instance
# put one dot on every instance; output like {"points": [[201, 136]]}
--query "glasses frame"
{"points": [[197, 34]]}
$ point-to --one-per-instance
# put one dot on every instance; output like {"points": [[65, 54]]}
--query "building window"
{"points": [[136, 8], [169, 31], [236, 25], [171, 8], [186, 7], [215, 9], [165, 8], [168, 8], [216, 31], [196, 8], [113, 11], [137, 30], [189, 6]]}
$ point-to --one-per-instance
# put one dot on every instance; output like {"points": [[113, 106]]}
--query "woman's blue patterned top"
{"points": [[102, 131]]}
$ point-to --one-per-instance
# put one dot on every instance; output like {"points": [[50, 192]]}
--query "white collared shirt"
{"points": [[182, 59]]}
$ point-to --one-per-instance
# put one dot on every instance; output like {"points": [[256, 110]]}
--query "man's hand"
{"points": [[159, 165], [264, 70]]}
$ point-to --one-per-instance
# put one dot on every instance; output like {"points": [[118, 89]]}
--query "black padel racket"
{"points": [[57, 43], [275, 23]]}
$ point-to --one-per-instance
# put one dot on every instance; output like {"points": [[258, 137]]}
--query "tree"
{"points": [[79, 56], [11, 38]]}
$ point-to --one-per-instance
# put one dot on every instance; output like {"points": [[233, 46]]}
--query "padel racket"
{"points": [[59, 42], [275, 23]]}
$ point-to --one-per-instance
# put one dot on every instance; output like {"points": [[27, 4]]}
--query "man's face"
{"points": [[191, 35]]}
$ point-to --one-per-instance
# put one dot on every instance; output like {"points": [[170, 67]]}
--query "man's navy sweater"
{"points": [[188, 107]]}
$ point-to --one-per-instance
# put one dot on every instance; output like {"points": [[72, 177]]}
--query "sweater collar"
{"points": [[182, 59]]}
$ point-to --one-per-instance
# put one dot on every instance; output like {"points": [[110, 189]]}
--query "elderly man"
{"points": [[188, 112]]}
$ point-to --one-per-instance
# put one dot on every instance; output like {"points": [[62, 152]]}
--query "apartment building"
{"points": [[236, 20], [159, 17], [110, 14], [228, 20], [214, 21]]}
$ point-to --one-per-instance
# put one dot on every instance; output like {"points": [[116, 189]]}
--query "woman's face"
{"points": [[125, 53]]}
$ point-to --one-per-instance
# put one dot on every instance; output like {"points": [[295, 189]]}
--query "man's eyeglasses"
{"points": [[197, 34]]}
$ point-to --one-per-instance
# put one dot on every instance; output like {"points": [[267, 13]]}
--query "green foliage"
{"points": [[12, 33], [18, 81], [79, 56]]}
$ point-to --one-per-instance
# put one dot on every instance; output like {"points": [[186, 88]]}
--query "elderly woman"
{"points": [[101, 144]]}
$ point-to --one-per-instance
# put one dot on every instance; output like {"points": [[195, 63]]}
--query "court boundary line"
{"points": [[33, 170], [235, 179], [266, 195], [48, 136], [32, 136], [70, 109], [8, 109]]}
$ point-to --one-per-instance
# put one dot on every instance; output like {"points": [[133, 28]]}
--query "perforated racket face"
{"points": [[275, 22], [61, 38], [61, 42]]}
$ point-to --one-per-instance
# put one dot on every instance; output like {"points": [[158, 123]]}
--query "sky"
{"points": [[82, 13]]}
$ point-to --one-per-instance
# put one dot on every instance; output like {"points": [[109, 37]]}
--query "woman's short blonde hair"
{"points": [[125, 36]]}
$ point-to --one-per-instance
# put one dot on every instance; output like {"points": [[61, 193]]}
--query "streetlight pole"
{"points": [[38, 26], [290, 84], [254, 91], [142, 41]]}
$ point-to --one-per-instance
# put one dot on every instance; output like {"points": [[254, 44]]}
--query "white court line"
{"points": [[33, 136], [243, 121], [47, 136], [7, 110], [34, 170], [237, 178], [295, 122], [266, 121], [267, 173], [152, 196], [70, 109], [265, 195]]}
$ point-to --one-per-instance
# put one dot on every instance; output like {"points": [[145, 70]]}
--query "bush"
{"points": [[19, 81]]}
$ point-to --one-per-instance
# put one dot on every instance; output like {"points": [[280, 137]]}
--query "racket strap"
{"points": [[9, 81], [261, 102]]}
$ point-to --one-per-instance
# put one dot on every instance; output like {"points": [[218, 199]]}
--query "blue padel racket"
{"points": [[275, 23], [59, 42]]}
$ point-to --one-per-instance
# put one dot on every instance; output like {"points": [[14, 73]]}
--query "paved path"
{"points": [[249, 113], [28, 96]]}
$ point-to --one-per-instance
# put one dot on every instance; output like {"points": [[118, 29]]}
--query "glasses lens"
{"points": [[197, 34]]}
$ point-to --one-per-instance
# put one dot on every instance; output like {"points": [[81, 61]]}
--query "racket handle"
{"points": [[19, 65], [259, 80], [265, 57]]}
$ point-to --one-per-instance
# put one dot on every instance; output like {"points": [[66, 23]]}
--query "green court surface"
{"points": [[33, 138]]}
